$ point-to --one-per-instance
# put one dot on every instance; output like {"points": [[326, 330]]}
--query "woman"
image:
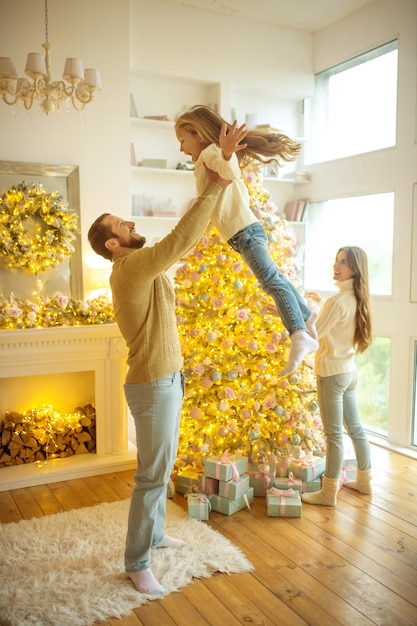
{"points": [[344, 328]]}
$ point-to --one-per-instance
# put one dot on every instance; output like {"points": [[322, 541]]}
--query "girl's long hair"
{"points": [[358, 263], [265, 145]]}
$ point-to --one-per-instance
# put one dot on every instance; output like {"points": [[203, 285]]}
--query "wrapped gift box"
{"points": [[186, 480], [198, 506], [234, 489], [349, 468], [311, 485], [225, 467], [283, 503], [207, 484], [290, 482], [308, 468], [227, 506], [348, 471]]}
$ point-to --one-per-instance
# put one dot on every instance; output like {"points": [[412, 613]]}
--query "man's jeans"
{"points": [[156, 410]]}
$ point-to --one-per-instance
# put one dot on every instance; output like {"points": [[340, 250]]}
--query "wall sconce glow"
{"points": [[77, 88]]}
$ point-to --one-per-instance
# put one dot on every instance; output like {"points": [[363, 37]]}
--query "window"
{"points": [[349, 222], [374, 374], [354, 106]]}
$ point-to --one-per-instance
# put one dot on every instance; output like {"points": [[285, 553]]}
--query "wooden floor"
{"points": [[353, 565]]}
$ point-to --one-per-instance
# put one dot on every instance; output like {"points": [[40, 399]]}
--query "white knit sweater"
{"points": [[232, 212], [336, 328]]}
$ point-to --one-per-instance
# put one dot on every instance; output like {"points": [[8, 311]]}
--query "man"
{"points": [[144, 308]]}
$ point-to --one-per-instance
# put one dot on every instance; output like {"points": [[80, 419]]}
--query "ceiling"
{"points": [[306, 15]]}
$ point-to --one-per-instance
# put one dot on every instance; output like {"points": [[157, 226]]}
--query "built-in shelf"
{"points": [[160, 171]]}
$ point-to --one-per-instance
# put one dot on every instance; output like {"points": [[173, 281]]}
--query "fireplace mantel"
{"points": [[44, 351]]}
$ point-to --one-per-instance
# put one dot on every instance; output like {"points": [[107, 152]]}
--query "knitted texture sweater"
{"points": [[144, 297], [232, 212], [335, 328]]}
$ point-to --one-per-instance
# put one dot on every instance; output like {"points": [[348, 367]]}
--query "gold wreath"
{"points": [[54, 233]]}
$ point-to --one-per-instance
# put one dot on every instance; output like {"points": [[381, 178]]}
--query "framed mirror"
{"points": [[66, 277]]}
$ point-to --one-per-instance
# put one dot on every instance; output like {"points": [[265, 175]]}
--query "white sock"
{"points": [[170, 542], [301, 345], [145, 582]]}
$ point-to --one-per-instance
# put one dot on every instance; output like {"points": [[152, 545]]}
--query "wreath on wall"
{"points": [[55, 227]]}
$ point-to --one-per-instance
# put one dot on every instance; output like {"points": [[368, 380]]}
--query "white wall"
{"points": [[394, 169], [251, 60], [96, 140]]}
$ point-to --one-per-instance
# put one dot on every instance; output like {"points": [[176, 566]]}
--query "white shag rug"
{"points": [[67, 569]]}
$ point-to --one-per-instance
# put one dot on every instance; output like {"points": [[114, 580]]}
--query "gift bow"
{"points": [[227, 461], [290, 493]]}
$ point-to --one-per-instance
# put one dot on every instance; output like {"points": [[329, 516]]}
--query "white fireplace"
{"points": [[66, 363]]}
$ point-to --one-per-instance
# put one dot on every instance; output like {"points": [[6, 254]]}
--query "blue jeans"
{"points": [[156, 409], [252, 244], [336, 396]]}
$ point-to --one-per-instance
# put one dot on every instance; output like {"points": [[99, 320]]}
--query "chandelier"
{"points": [[77, 86]]}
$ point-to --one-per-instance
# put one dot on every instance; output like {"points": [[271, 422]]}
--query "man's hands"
{"points": [[216, 178], [230, 141]]}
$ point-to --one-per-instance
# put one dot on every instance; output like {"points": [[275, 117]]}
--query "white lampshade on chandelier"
{"points": [[77, 86]]}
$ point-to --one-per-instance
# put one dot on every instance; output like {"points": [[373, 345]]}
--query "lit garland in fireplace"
{"points": [[42, 433]]}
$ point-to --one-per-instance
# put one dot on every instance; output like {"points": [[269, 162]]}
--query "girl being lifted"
{"points": [[199, 131]]}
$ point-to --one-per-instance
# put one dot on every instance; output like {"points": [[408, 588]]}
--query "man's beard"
{"points": [[136, 242]]}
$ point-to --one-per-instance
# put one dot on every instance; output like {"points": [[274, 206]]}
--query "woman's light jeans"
{"points": [[336, 396], [252, 244], [156, 410]]}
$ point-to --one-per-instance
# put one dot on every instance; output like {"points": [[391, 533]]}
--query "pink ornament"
{"points": [[195, 276], [245, 414]]}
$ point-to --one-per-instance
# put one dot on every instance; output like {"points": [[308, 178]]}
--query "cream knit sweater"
{"points": [[144, 297], [335, 328], [232, 212]]}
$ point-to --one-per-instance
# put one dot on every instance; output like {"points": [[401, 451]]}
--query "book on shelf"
{"points": [[294, 210]]}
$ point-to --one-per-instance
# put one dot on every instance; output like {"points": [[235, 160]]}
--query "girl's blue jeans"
{"points": [[336, 396], [156, 410], [252, 244]]}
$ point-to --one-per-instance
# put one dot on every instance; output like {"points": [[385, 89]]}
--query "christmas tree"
{"points": [[234, 350]]}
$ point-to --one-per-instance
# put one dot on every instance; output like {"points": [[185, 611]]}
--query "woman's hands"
{"points": [[230, 140]]}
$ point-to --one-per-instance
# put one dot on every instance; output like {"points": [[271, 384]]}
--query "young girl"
{"points": [[199, 131], [344, 327]]}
